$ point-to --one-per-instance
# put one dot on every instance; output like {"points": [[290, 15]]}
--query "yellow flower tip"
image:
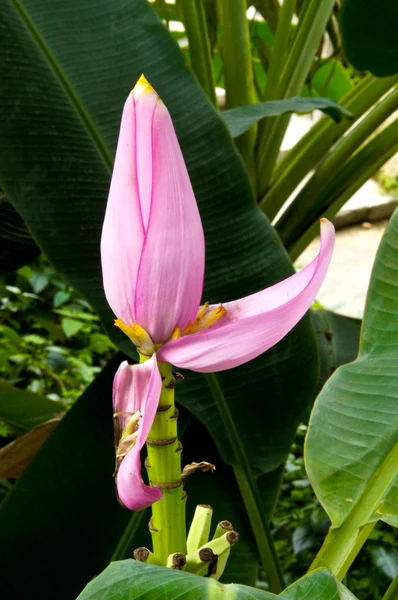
{"points": [[142, 87], [143, 80], [138, 336]]}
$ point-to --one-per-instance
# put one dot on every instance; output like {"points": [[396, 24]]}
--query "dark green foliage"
{"points": [[369, 31], [16, 244]]}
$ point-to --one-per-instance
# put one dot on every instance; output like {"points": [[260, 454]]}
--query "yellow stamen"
{"points": [[205, 319], [176, 333], [138, 336], [189, 328], [202, 310], [210, 318]]}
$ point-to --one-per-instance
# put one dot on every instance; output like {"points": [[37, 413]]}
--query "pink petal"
{"points": [[170, 278], [123, 230], [152, 244], [253, 324], [136, 388]]}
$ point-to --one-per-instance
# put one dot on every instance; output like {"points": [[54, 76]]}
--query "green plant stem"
{"points": [[351, 177], [250, 494], [392, 592], [163, 464], [298, 213], [279, 50], [317, 142], [199, 45], [238, 71], [343, 543], [279, 53], [298, 63]]}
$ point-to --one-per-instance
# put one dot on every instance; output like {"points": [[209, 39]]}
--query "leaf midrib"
{"points": [[70, 92]]}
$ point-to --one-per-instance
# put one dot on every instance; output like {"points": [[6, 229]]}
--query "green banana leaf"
{"points": [[352, 443], [129, 579]]}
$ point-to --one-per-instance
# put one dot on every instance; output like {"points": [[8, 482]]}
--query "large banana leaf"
{"points": [[66, 69], [352, 443], [129, 579]]}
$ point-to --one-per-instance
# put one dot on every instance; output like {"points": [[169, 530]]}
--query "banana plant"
{"points": [[249, 367]]}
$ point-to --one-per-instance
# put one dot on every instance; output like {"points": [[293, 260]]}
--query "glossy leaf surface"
{"points": [[352, 443], [319, 585], [130, 579]]}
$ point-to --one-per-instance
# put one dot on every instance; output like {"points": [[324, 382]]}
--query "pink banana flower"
{"points": [[153, 253]]}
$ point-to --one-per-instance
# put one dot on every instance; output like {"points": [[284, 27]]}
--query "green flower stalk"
{"points": [[163, 465]]}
